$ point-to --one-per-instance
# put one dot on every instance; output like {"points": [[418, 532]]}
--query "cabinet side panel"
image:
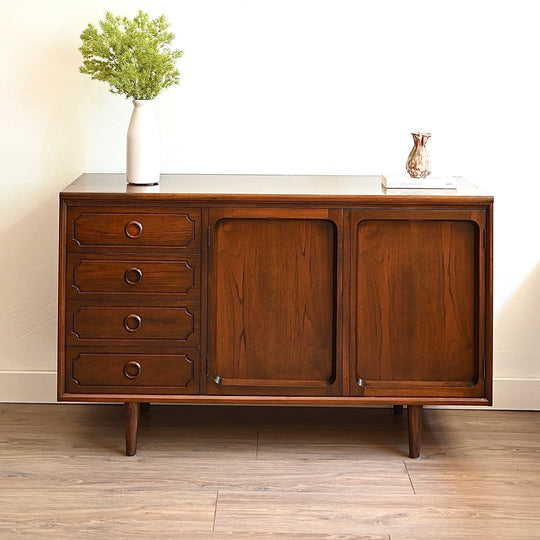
{"points": [[416, 301], [274, 313], [62, 256]]}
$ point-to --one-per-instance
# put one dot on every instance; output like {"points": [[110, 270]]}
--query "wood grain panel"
{"points": [[135, 227], [94, 324], [416, 305], [274, 304], [109, 372], [95, 275]]}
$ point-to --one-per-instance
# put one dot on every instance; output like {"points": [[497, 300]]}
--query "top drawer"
{"points": [[92, 227]]}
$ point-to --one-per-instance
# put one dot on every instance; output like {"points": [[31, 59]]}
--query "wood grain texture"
{"points": [[419, 516], [129, 228], [417, 293], [256, 472], [414, 421], [92, 324], [97, 371], [94, 275], [229, 189], [133, 411], [274, 308]]}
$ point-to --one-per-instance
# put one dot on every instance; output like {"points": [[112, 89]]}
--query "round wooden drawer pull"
{"points": [[132, 370], [133, 229], [133, 276], [132, 322]]}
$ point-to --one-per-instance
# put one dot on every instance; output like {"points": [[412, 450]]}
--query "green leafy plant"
{"points": [[132, 55]]}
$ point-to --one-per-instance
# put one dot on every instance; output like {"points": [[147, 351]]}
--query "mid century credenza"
{"points": [[276, 290]]}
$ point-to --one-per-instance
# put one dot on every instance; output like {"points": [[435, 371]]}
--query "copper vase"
{"points": [[418, 164]]}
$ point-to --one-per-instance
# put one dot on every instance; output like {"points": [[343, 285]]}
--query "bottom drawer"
{"points": [[98, 372]]}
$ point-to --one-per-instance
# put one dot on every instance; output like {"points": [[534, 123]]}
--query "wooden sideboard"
{"points": [[278, 290]]}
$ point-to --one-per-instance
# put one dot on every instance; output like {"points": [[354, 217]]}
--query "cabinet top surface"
{"points": [[263, 187]]}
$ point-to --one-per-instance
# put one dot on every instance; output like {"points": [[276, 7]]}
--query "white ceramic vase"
{"points": [[143, 147]]}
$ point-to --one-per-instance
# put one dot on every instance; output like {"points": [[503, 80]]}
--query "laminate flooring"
{"points": [[208, 472]]}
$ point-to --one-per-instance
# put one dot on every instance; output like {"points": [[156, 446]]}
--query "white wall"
{"points": [[276, 86]]}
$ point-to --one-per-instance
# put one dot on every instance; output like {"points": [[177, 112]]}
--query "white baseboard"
{"points": [[28, 386], [516, 394], [40, 387]]}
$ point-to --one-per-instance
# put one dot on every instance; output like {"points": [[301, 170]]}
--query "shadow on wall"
{"points": [[29, 290], [517, 333], [44, 154], [63, 118], [48, 88]]}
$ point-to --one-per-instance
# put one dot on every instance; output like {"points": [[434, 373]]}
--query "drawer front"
{"points": [[134, 227], [89, 372], [87, 324], [92, 275]]}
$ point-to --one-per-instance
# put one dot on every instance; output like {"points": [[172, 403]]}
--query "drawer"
{"points": [[120, 325], [127, 228], [93, 275], [91, 372]]}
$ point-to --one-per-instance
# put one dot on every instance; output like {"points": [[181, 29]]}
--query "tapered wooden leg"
{"points": [[414, 417], [132, 426], [398, 410]]}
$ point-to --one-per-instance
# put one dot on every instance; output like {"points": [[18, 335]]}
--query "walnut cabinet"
{"points": [[293, 290]]}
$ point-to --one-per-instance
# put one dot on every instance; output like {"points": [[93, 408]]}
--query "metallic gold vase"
{"points": [[418, 164]]}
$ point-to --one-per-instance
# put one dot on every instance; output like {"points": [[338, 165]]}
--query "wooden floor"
{"points": [[270, 473]]}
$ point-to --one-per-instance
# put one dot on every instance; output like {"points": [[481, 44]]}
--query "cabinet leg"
{"points": [[414, 417], [398, 410], [132, 426]]}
